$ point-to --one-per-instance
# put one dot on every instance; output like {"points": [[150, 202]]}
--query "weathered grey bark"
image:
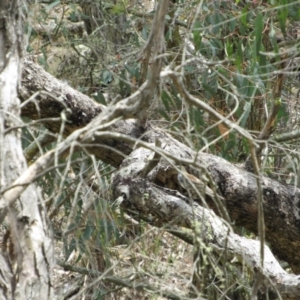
{"points": [[26, 257], [138, 194]]}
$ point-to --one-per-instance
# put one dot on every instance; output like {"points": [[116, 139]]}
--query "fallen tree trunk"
{"points": [[236, 186], [163, 206]]}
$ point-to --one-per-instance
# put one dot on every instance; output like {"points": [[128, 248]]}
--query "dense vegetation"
{"points": [[190, 82]]}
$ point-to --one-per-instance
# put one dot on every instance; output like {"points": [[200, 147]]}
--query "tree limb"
{"points": [[164, 207]]}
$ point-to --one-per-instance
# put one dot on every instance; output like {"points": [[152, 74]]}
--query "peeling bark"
{"points": [[161, 206], [26, 249]]}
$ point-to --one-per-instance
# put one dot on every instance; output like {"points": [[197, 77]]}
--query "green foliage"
{"points": [[196, 35], [258, 34], [52, 5], [125, 88], [106, 77], [118, 8], [99, 98]]}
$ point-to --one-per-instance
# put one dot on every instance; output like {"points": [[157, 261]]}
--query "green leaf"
{"points": [[229, 48], [245, 115], [106, 77], [258, 32], [198, 119], [166, 100], [69, 248], [100, 98], [244, 22], [216, 21], [189, 69], [239, 56], [163, 113], [273, 40], [73, 16], [43, 59], [283, 115], [169, 34], [145, 32], [232, 25], [282, 15], [262, 63], [125, 88], [245, 144], [130, 69], [244, 16], [53, 4], [88, 231], [118, 9], [196, 35], [177, 100]]}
